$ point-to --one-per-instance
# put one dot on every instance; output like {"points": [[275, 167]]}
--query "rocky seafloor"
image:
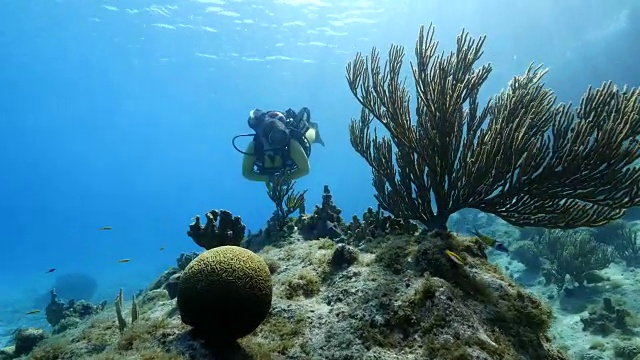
{"points": [[368, 289], [361, 312]]}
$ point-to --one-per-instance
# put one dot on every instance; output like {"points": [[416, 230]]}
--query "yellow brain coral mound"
{"points": [[225, 293]]}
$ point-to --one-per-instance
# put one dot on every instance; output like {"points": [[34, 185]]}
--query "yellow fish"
{"points": [[124, 260], [489, 241], [32, 312], [105, 228], [484, 238], [454, 257]]}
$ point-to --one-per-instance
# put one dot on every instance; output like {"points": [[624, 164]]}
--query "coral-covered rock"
{"points": [[55, 309], [161, 280], [7, 353], [185, 259], [325, 221], [375, 224], [168, 279], [66, 324], [276, 231], [434, 308], [627, 350], [173, 285], [606, 319], [343, 256], [60, 313], [593, 355], [27, 339]]}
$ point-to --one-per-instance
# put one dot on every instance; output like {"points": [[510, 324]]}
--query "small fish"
{"points": [[484, 238], [454, 257], [482, 336], [105, 228], [501, 247], [124, 260], [32, 312], [331, 226], [50, 270], [161, 249], [489, 241]]}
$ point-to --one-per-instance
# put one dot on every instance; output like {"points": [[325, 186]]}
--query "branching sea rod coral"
{"points": [[628, 246], [523, 157], [572, 253], [286, 199]]}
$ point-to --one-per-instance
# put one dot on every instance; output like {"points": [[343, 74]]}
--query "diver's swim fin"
{"points": [[318, 139]]}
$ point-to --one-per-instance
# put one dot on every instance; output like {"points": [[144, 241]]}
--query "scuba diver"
{"points": [[281, 144]]}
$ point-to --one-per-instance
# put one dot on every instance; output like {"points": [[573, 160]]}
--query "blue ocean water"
{"points": [[121, 113]]}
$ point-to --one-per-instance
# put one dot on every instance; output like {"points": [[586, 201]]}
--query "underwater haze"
{"points": [[120, 114]]}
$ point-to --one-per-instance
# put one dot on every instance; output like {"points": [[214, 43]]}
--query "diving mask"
{"points": [[278, 137], [274, 131]]}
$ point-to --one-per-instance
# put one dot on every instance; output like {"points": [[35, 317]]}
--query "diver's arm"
{"points": [[300, 158], [247, 166]]}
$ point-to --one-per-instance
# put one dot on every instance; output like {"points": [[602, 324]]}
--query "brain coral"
{"points": [[225, 293]]}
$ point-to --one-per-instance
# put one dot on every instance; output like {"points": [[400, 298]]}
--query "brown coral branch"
{"points": [[221, 228], [521, 156], [286, 199]]}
